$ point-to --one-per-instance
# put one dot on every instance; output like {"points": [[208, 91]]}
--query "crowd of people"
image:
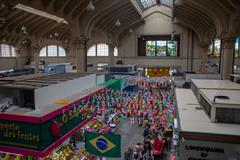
{"points": [[152, 104], [159, 111]]}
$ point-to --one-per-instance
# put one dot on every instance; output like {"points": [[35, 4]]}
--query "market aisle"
{"points": [[131, 134]]}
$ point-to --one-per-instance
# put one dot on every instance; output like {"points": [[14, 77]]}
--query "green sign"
{"points": [[40, 136], [104, 145], [19, 134]]}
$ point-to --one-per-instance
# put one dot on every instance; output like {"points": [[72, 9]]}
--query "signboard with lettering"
{"points": [[208, 150], [20, 134], [40, 136]]}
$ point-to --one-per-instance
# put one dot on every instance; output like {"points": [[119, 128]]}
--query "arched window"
{"points": [[215, 48], [7, 50], [100, 49], [92, 51], [115, 51], [52, 51]]}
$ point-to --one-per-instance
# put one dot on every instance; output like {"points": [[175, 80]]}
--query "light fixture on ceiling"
{"points": [[90, 6], [2, 6], [130, 30], [118, 23], [25, 41], [65, 41], [2, 22], [56, 34], [3, 40], [40, 13], [24, 29]]}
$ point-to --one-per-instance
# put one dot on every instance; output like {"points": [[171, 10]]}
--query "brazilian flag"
{"points": [[103, 145]]}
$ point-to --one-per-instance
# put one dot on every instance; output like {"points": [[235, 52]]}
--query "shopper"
{"points": [[158, 148]]}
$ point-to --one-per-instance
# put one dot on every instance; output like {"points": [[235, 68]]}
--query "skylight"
{"points": [[40, 13], [145, 4], [148, 3]]}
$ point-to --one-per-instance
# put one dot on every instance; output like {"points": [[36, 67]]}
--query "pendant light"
{"points": [[90, 6]]}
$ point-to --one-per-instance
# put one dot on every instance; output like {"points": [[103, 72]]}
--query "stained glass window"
{"points": [[161, 48], [237, 45], [172, 48], [150, 48]]}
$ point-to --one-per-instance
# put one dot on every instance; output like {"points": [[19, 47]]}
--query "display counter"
{"points": [[198, 137], [38, 132], [212, 84], [96, 126]]}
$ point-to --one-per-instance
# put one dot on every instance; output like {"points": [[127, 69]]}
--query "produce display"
{"points": [[97, 127], [63, 153], [5, 156]]}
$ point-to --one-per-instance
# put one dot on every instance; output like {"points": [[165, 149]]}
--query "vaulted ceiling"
{"points": [[209, 18], [206, 18]]}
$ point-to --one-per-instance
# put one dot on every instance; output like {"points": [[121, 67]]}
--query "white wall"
{"points": [[49, 60], [47, 95], [160, 24], [7, 63]]}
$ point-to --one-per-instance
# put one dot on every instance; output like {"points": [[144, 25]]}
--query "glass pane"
{"points": [[43, 52], [161, 48], [217, 46], [52, 51], [102, 50], [167, 2], [5, 50], [210, 49], [13, 52], [148, 3], [61, 52], [237, 47], [150, 48], [172, 48], [115, 51], [92, 51]]}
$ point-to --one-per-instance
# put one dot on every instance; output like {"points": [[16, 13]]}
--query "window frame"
{"points": [[10, 52], [142, 45], [237, 44], [115, 52], [97, 52], [211, 52], [93, 46], [47, 54]]}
